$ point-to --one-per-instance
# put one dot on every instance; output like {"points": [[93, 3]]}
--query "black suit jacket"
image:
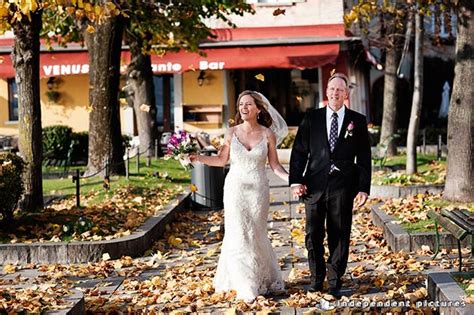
{"points": [[311, 157]]}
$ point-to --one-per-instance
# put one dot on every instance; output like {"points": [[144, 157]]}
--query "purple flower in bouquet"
{"points": [[180, 145]]}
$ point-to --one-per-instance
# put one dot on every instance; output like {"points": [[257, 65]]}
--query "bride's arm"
{"points": [[273, 157], [222, 156]]}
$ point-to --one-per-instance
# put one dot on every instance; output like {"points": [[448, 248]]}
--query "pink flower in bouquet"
{"points": [[180, 145], [349, 129]]}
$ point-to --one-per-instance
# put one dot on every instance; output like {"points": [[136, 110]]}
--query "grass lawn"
{"points": [[169, 172], [430, 171], [103, 214], [466, 282]]}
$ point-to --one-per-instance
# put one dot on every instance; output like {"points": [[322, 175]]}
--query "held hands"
{"points": [[360, 199], [298, 190]]}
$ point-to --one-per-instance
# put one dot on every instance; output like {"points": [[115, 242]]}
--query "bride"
{"points": [[247, 263]]}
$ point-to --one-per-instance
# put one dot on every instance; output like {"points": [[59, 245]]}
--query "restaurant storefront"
{"points": [[289, 64]]}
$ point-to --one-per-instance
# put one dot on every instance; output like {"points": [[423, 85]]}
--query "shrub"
{"points": [[80, 147], [11, 183], [56, 142]]}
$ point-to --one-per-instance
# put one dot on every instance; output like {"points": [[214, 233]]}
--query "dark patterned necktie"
{"points": [[333, 137], [333, 132]]}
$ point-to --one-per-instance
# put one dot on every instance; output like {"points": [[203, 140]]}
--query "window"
{"points": [[12, 100]]}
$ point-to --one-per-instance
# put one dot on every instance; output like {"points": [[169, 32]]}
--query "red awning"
{"points": [[302, 47], [296, 56]]}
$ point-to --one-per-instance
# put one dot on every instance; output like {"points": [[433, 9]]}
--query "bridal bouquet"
{"points": [[180, 145]]}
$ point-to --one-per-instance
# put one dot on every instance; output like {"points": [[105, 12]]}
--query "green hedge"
{"points": [[11, 183]]}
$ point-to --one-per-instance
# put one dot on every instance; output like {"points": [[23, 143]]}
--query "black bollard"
{"points": [[156, 149], [75, 179], [127, 164], [424, 140], [440, 143], [138, 160]]}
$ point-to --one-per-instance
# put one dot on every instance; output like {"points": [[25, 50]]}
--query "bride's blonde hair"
{"points": [[263, 117]]}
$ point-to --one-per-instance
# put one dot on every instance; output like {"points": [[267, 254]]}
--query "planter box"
{"points": [[284, 155], [399, 239], [443, 289], [90, 251], [390, 191]]}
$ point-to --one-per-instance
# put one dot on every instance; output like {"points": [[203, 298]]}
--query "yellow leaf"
{"points": [[211, 252], [110, 6], [379, 282], [88, 7], [3, 13], [174, 241], [9, 268], [118, 265], [105, 257], [90, 29], [260, 77], [156, 281], [97, 9]]}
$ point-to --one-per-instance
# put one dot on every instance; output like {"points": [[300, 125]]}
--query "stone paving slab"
{"points": [[281, 229]]}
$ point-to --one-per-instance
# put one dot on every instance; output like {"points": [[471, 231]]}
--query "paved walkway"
{"points": [[176, 274]]}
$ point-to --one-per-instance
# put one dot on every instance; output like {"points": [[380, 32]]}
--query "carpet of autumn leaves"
{"points": [[414, 209], [125, 209], [176, 274]]}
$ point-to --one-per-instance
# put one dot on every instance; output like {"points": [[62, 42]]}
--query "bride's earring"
{"points": [[258, 115]]}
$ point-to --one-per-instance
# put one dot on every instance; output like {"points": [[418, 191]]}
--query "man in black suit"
{"points": [[330, 168]]}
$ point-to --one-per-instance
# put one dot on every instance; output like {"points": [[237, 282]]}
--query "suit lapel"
{"points": [[345, 123], [325, 128]]}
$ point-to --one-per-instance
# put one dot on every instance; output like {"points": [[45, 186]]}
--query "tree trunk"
{"points": [[460, 173], [389, 116], [105, 139], [417, 101], [141, 92], [26, 52]]}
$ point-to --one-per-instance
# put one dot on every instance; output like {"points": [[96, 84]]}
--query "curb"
{"points": [[390, 191], [78, 308], [399, 239], [90, 251], [443, 288]]}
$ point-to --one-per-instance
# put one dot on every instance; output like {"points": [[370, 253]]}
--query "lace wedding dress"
{"points": [[247, 262]]}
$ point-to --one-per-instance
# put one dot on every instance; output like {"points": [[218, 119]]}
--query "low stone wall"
{"points": [[390, 191], [445, 291], [399, 239], [90, 251]]}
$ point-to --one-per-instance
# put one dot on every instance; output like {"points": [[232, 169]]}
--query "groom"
{"points": [[330, 167]]}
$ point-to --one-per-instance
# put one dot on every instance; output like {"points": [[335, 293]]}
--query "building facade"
{"points": [[286, 50]]}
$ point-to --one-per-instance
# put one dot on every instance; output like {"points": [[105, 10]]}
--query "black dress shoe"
{"points": [[336, 292], [315, 287]]}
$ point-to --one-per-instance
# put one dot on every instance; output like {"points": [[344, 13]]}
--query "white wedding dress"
{"points": [[247, 263]]}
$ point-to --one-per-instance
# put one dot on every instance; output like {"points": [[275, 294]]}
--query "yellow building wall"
{"points": [[6, 127], [211, 92], [70, 109]]}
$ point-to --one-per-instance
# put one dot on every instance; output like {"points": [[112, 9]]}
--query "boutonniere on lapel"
{"points": [[349, 130]]}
